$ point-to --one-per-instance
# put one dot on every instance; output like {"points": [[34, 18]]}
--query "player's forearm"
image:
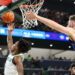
{"points": [[20, 70], [9, 37], [20, 74], [53, 24], [9, 40]]}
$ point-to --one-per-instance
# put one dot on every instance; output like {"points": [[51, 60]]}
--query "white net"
{"points": [[35, 6]]}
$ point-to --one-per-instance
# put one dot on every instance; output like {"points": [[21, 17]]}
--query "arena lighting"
{"points": [[67, 38], [69, 46], [32, 43], [51, 45], [74, 2], [0, 49]]}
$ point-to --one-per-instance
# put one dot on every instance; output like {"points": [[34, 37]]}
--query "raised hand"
{"points": [[11, 27], [30, 15]]}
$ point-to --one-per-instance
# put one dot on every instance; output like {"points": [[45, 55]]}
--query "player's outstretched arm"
{"points": [[9, 37], [50, 23]]}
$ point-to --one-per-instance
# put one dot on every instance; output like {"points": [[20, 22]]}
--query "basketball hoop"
{"points": [[34, 6]]}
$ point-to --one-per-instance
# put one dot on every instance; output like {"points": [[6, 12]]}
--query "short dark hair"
{"points": [[24, 45], [72, 17], [72, 65]]}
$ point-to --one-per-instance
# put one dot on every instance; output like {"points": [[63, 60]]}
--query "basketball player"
{"points": [[13, 65], [69, 30], [73, 69]]}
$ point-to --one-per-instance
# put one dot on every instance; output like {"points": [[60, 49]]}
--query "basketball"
{"points": [[8, 17]]}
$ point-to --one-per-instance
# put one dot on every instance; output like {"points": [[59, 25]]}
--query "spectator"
{"points": [[37, 63], [49, 57], [65, 58], [61, 68], [29, 57], [32, 63], [42, 58], [60, 58], [55, 67], [50, 68], [25, 65], [44, 72], [73, 69], [65, 68]]}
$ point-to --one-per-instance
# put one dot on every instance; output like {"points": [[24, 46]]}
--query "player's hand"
{"points": [[11, 27], [30, 15]]}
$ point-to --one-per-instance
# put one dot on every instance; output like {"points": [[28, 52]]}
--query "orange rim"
{"points": [[29, 5], [32, 5]]}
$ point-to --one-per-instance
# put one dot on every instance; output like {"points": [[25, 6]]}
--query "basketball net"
{"points": [[34, 6]]}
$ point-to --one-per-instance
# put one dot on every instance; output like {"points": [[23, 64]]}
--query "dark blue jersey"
{"points": [[73, 44]]}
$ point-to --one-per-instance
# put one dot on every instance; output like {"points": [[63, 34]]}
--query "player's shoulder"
{"points": [[17, 59], [72, 33], [71, 30]]}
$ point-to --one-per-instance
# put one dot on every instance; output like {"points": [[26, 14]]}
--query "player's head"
{"points": [[72, 18], [73, 69], [21, 46], [71, 22]]}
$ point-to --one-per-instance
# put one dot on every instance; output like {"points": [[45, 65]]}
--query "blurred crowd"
{"points": [[59, 17], [35, 62], [48, 66]]}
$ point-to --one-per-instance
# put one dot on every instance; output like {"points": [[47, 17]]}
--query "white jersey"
{"points": [[10, 68]]}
